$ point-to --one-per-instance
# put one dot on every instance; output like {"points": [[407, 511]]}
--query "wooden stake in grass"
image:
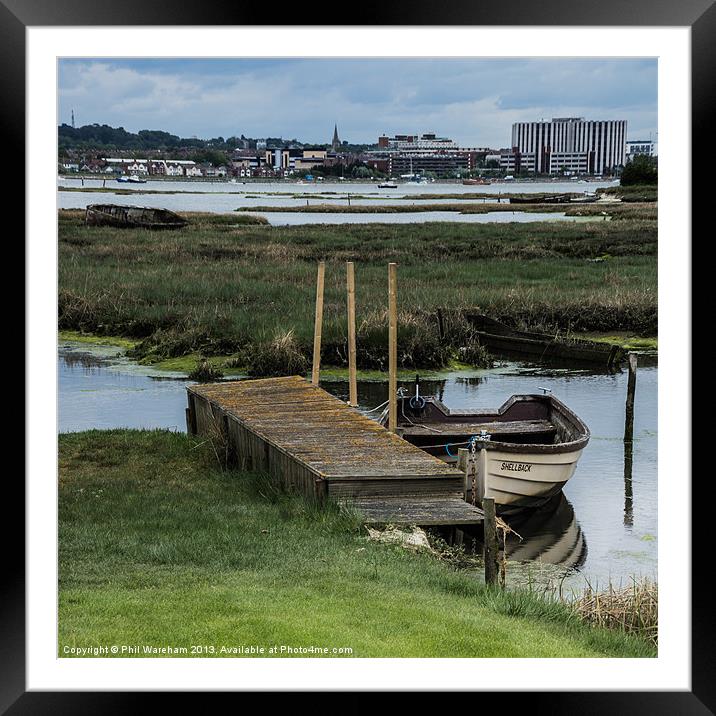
{"points": [[631, 389], [492, 568], [315, 374], [352, 380], [392, 348]]}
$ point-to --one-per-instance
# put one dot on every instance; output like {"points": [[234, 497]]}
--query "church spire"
{"points": [[336, 142]]}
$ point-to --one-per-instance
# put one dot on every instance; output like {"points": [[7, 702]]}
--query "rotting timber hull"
{"points": [[132, 217], [500, 339]]}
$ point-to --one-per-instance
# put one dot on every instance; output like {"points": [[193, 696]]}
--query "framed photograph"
{"points": [[343, 354]]}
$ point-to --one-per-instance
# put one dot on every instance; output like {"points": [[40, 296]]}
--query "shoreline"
{"points": [[185, 364]]}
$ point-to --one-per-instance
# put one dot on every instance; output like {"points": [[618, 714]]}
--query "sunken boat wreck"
{"points": [[526, 450], [503, 340], [132, 217]]}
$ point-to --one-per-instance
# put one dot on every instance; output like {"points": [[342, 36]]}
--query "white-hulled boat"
{"points": [[387, 185], [526, 450]]}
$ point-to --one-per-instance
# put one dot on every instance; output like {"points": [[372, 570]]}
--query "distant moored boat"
{"points": [[132, 217]]}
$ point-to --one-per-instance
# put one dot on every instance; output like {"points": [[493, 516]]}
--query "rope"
{"points": [[377, 407], [472, 440]]}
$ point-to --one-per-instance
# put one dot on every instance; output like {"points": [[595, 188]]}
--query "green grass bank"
{"points": [[159, 546], [219, 287]]}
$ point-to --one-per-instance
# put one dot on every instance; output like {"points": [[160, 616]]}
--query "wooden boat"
{"points": [[132, 217], [541, 199], [500, 339], [526, 450], [475, 182]]}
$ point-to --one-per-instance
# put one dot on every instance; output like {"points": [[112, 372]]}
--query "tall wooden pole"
{"points": [[316, 372], [352, 381], [631, 389], [392, 348]]}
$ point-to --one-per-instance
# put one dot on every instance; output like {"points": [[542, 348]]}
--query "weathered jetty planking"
{"points": [[316, 444]]}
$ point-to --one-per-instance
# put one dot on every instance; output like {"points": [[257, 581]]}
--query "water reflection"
{"points": [[550, 534], [628, 486], [78, 359]]}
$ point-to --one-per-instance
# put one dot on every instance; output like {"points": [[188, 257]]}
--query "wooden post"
{"points": [[315, 374], [631, 388], [352, 381], [392, 348], [441, 324], [462, 465], [468, 468], [489, 552]]}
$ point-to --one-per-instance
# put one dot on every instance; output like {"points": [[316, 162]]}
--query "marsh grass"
{"points": [[205, 372], [216, 288], [633, 609]]}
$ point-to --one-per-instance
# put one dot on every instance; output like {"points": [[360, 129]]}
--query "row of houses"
{"points": [[244, 163]]}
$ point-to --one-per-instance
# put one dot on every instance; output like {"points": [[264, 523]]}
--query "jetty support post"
{"points": [[631, 389], [318, 326], [469, 470], [352, 380], [190, 417], [490, 542], [392, 348]]}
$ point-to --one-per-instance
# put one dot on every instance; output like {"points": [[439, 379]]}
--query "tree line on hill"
{"points": [[102, 136]]}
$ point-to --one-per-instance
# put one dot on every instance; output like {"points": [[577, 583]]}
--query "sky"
{"points": [[473, 101]]}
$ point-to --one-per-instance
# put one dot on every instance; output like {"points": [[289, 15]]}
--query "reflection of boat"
{"points": [[132, 217], [550, 534], [387, 185], [500, 339], [526, 450]]}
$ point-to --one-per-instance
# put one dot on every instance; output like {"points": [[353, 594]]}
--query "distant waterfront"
{"points": [[226, 196]]}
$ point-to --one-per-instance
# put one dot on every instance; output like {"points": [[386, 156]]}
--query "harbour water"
{"points": [[604, 528], [226, 197]]}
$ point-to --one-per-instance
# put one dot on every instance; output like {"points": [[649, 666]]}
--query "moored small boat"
{"points": [[387, 185], [133, 217], [526, 450]]}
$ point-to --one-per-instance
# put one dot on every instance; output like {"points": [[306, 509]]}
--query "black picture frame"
{"points": [[17, 15]]}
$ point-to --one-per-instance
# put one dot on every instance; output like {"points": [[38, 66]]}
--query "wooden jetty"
{"points": [[314, 443]]}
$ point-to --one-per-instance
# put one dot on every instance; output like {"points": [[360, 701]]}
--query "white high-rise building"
{"points": [[600, 146]]}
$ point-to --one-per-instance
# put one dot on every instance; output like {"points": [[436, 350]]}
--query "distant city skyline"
{"points": [[474, 101]]}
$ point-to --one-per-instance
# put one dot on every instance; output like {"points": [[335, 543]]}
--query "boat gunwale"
{"points": [[580, 428]]}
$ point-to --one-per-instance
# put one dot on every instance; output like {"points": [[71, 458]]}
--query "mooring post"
{"points": [[631, 388], [316, 372], [468, 468], [462, 465], [392, 348], [490, 550], [352, 380]]}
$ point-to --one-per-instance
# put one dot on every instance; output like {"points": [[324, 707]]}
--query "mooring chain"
{"points": [[473, 471]]}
